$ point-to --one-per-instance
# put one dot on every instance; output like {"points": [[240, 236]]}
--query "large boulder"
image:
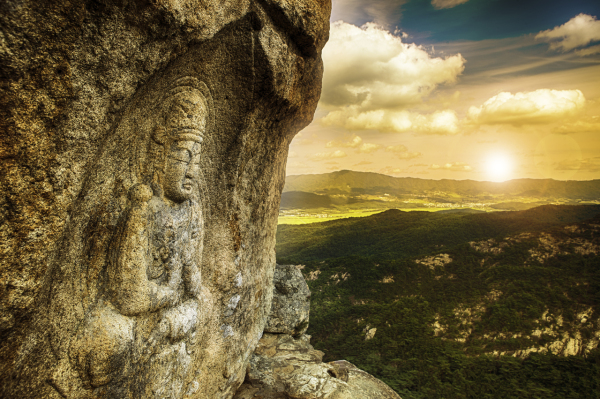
{"points": [[290, 307], [143, 148]]}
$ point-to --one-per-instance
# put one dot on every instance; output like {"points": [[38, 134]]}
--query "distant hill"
{"points": [[458, 305], [299, 199], [351, 182]]}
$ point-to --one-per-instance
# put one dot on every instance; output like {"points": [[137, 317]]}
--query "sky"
{"points": [[458, 89]]}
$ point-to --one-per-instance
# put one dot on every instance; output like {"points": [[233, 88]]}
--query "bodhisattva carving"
{"points": [[149, 305]]}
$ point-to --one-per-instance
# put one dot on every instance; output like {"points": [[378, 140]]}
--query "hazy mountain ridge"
{"points": [[342, 194], [346, 181], [436, 305]]}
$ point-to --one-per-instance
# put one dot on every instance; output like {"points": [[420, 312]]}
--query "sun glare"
{"points": [[499, 167]]}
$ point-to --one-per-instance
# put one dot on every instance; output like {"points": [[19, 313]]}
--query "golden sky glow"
{"points": [[492, 109]]}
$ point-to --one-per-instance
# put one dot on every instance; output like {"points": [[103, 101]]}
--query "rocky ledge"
{"points": [[285, 365]]}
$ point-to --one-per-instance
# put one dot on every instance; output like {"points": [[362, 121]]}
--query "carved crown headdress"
{"points": [[185, 112]]}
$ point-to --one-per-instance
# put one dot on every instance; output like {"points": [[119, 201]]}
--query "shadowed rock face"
{"points": [[143, 149]]}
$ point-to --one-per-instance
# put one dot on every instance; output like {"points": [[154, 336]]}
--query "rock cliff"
{"points": [[143, 148]]}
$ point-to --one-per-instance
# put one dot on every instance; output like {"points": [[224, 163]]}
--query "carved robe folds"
{"points": [[151, 289]]}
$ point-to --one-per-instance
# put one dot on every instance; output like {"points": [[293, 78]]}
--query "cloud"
{"points": [[355, 142], [580, 126], [371, 67], [540, 106], [453, 166], [321, 156], [368, 148], [577, 32], [587, 164], [588, 51], [372, 77], [396, 148], [439, 4], [390, 170], [292, 154], [351, 118], [298, 165], [383, 12], [362, 163], [402, 152]]}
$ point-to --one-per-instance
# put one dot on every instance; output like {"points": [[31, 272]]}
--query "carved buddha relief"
{"points": [[150, 299]]}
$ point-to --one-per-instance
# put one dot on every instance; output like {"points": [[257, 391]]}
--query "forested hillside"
{"points": [[492, 305]]}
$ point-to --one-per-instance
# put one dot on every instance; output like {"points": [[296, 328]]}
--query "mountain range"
{"points": [[351, 182]]}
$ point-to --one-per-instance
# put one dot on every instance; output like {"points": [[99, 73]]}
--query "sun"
{"points": [[499, 167]]}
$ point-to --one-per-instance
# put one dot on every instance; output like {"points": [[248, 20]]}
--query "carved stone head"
{"points": [[180, 131]]}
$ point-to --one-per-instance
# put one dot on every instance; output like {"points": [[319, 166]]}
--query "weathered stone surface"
{"points": [[143, 147], [290, 307], [284, 368], [288, 367]]}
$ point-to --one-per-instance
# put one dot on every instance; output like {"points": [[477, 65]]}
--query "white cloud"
{"points": [[355, 142], [539, 106], [439, 4], [292, 154], [321, 156], [439, 122], [452, 166], [372, 78], [402, 152], [577, 32], [368, 148]]}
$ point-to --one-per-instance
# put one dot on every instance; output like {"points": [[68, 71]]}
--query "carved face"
{"points": [[181, 172]]}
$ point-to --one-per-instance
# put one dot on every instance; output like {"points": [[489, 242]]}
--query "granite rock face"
{"points": [[143, 148], [288, 367], [290, 307]]}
